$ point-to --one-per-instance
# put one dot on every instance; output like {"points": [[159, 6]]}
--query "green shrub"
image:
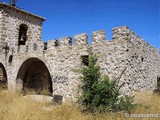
{"points": [[100, 94]]}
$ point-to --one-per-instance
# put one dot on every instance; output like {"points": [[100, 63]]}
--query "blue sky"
{"points": [[70, 17]]}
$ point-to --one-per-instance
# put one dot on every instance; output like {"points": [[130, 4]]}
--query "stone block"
{"points": [[51, 44], [81, 39], [65, 41], [98, 36]]}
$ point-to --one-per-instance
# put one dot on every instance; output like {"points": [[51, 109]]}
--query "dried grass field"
{"points": [[15, 107]]}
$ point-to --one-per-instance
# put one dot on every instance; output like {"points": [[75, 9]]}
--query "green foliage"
{"points": [[100, 94], [126, 103]]}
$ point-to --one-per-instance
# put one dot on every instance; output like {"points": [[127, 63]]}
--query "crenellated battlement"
{"points": [[121, 33], [79, 39]]}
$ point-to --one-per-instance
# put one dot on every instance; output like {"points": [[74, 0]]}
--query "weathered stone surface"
{"points": [[98, 36], [126, 52], [66, 41], [39, 98], [81, 39]]}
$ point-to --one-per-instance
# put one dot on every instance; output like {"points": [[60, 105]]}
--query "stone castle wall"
{"points": [[126, 53]]}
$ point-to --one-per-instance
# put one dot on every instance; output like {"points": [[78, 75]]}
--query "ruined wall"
{"points": [[126, 51], [113, 56], [60, 61], [144, 65], [129, 54]]}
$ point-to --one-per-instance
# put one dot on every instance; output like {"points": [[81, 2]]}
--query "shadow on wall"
{"points": [[157, 90], [34, 76], [3, 76]]}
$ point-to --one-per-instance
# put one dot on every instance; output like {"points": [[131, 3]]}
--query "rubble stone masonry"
{"points": [[126, 53]]}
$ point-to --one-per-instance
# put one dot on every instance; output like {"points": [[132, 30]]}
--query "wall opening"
{"points": [[3, 77], [56, 43], [45, 46], [142, 59], [34, 76], [85, 60], [158, 84], [22, 34], [10, 59]]}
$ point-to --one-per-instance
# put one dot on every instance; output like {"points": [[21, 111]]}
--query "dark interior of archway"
{"points": [[3, 77], [37, 78], [157, 90], [158, 84]]}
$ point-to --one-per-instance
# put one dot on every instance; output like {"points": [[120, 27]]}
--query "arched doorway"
{"points": [[34, 75], [3, 77]]}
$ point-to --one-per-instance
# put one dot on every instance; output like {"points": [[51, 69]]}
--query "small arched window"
{"points": [[22, 34]]}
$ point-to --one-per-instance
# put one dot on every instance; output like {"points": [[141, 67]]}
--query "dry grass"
{"points": [[15, 107]]}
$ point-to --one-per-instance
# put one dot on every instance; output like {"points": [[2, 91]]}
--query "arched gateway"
{"points": [[34, 75], [3, 76]]}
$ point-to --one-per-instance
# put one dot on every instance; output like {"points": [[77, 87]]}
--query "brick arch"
{"points": [[34, 75], [3, 76]]}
